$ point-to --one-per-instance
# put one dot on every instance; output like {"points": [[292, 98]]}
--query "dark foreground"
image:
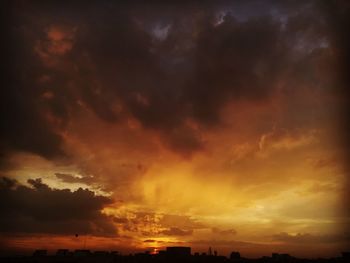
{"points": [[177, 255]]}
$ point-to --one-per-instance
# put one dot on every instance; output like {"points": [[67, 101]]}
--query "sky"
{"points": [[204, 124]]}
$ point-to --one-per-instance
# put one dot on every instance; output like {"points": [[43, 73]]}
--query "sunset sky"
{"points": [[206, 124]]}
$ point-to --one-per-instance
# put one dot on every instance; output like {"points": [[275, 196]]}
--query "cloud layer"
{"points": [[41, 209]]}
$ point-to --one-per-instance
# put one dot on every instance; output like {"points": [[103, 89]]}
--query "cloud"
{"points": [[114, 67], [59, 41], [216, 230], [23, 112], [307, 238], [41, 209], [174, 231], [157, 224], [180, 221], [324, 188], [326, 162], [68, 178], [149, 241], [286, 139]]}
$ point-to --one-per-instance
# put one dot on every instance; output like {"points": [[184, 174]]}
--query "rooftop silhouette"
{"points": [[170, 254]]}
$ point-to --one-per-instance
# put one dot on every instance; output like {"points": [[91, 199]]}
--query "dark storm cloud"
{"points": [[41, 209], [24, 127], [337, 13], [234, 61], [23, 123], [108, 54]]}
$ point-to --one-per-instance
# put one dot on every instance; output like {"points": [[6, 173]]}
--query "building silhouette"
{"points": [[235, 255], [40, 253], [178, 252], [170, 254]]}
